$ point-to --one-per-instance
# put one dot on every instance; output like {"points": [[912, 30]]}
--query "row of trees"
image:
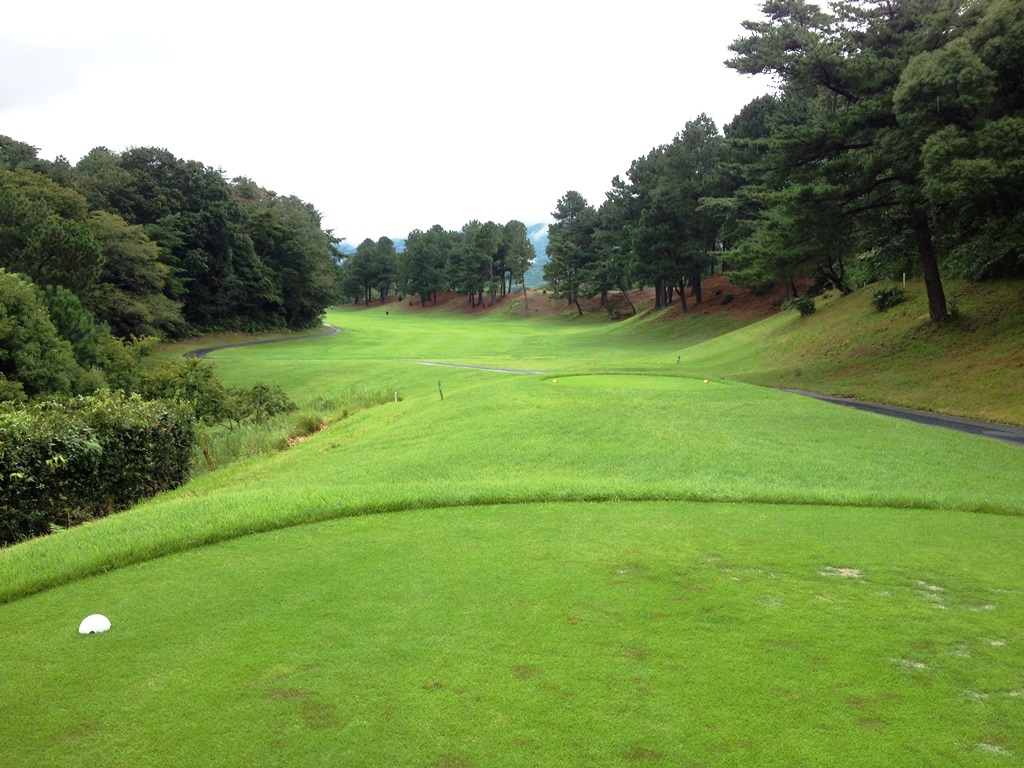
{"points": [[653, 229], [484, 259], [893, 144]]}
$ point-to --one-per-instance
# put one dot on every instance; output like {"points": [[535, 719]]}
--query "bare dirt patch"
{"points": [[287, 694], [527, 672], [644, 755], [846, 573]]}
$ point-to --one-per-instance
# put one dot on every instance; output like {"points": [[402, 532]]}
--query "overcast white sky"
{"points": [[386, 116]]}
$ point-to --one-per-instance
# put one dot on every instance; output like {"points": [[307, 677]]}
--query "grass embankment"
{"points": [[971, 366], [767, 579]]}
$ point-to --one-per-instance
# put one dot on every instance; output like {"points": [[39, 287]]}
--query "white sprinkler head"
{"points": [[92, 624]]}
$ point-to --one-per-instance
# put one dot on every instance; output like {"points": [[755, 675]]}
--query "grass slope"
{"points": [[614, 563], [972, 366]]}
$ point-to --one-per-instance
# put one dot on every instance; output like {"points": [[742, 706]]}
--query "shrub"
{"points": [[887, 298], [727, 298], [193, 381], [262, 401], [804, 305], [62, 463]]}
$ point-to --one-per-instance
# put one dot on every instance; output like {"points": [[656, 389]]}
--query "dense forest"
{"points": [[894, 144], [155, 245]]}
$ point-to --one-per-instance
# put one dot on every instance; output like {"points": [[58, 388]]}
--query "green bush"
{"points": [[887, 298], [193, 381], [804, 305], [263, 401], [727, 298], [65, 462]]}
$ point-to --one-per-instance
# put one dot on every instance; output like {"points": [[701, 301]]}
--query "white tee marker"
{"points": [[92, 624]]}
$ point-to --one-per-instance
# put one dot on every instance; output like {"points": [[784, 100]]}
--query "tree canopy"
{"points": [[156, 245]]}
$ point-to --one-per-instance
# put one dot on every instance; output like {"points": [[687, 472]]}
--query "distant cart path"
{"points": [[478, 367], [331, 330], [1004, 432]]}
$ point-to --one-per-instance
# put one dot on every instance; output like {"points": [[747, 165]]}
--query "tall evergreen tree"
{"points": [[851, 157], [570, 246], [421, 266]]}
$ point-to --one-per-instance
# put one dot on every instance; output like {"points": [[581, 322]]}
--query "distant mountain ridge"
{"points": [[346, 248], [538, 233]]}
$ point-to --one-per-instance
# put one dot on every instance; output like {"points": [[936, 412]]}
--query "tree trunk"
{"points": [[698, 293], [682, 295], [626, 297], [836, 276], [659, 293], [929, 265]]}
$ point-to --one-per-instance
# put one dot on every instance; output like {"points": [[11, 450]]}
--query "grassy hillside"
{"points": [[971, 367], [623, 560]]}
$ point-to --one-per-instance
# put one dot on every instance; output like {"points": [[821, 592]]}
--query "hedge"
{"points": [[62, 463]]}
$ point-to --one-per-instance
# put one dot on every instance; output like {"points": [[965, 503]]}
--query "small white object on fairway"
{"points": [[90, 625]]}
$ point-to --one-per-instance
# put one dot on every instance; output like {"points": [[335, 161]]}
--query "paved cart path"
{"points": [[1004, 432], [331, 330]]}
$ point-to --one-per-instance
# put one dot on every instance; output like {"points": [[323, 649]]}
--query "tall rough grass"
{"points": [[220, 447]]}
